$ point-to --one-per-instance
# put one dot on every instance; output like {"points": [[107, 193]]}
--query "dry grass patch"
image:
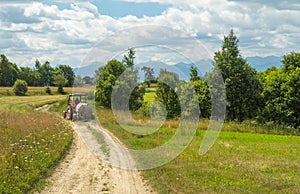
{"points": [[30, 143]]}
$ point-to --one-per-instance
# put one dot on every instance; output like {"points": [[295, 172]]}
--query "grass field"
{"points": [[150, 93], [239, 162], [37, 91], [31, 142], [27, 103]]}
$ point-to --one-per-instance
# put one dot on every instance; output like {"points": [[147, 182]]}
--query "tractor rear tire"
{"points": [[70, 113]]}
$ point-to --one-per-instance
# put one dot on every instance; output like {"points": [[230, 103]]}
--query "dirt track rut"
{"points": [[87, 167]]}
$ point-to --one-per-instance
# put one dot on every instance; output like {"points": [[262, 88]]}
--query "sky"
{"points": [[66, 32]]}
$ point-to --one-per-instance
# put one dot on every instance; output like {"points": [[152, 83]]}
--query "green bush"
{"points": [[20, 87], [48, 90], [144, 109]]}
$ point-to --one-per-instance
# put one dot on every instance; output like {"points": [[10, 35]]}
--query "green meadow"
{"points": [[31, 142], [246, 158]]}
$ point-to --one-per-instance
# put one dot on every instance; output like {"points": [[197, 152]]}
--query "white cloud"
{"points": [[64, 35]]}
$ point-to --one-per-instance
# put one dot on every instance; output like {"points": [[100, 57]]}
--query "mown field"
{"points": [[37, 91], [246, 158], [31, 142]]}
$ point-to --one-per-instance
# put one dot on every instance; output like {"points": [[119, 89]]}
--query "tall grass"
{"points": [[30, 143]]}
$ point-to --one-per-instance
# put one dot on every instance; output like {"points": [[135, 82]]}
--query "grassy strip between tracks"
{"points": [[31, 142], [244, 159]]}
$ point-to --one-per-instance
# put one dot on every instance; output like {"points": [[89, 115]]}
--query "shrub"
{"points": [[48, 90], [20, 87]]}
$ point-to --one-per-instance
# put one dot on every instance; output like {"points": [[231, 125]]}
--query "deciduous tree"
{"points": [[242, 84], [165, 92], [149, 75], [106, 81]]}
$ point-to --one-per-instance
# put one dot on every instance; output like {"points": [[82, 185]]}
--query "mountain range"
{"points": [[183, 69]]}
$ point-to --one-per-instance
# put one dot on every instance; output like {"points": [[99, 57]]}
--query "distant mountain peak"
{"points": [[183, 69], [263, 63]]}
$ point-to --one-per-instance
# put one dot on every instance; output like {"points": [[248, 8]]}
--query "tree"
{"points": [[110, 80], [128, 60], [242, 84], [127, 86], [8, 72], [37, 64], [129, 93], [87, 80], [202, 91], [68, 74], [194, 73], [78, 81], [149, 75], [165, 92], [188, 100], [32, 77], [46, 73], [106, 81], [98, 73], [20, 87], [281, 92], [291, 61], [59, 80]]}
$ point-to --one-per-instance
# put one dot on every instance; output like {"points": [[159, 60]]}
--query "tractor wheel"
{"points": [[70, 113]]}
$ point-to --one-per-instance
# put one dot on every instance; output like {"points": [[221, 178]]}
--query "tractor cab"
{"points": [[75, 99], [78, 108]]}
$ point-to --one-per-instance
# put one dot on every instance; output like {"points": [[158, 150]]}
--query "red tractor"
{"points": [[78, 109]]}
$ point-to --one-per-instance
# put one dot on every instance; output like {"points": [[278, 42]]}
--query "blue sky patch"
{"points": [[119, 9]]}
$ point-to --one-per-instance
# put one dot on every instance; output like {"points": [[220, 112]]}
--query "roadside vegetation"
{"points": [[31, 142]]}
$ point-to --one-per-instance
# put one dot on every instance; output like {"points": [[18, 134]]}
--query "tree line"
{"points": [[40, 75], [272, 96]]}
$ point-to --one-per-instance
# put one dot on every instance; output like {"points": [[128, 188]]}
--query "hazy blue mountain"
{"points": [[88, 70], [183, 69], [263, 63]]}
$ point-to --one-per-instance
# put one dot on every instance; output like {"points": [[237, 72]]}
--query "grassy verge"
{"points": [[31, 142], [244, 162]]}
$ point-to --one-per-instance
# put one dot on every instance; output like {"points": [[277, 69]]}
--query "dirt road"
{"points": [[87, 167]]}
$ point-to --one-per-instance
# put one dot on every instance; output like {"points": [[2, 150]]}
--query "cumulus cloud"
{"points": [[66, 34]]}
